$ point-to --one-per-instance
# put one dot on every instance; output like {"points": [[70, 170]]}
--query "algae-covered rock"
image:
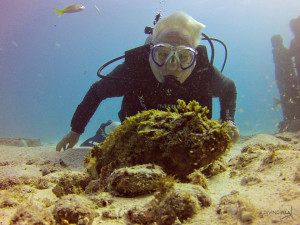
{"points": [[178, 141], [198, 178], [237, 207], [135, 180], [175, 201], [215, 168], [71, 183], [74, 209], [32, 214], [182, 201]]}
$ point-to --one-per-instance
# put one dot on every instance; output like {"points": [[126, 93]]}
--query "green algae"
{"points": [[179, 141]]}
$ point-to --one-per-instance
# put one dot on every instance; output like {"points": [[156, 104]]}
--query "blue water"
{"points": [[47, 64]]}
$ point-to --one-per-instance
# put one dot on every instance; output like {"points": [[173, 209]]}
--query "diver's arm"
{"points": [[100, 90], [225, 89]]}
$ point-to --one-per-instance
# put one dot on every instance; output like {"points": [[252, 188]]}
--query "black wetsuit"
{"points": [[135, 81]]}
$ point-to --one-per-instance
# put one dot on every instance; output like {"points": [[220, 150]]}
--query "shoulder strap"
{"points": [[137, 61], [202, 57], [140, 54], [203, 71]]}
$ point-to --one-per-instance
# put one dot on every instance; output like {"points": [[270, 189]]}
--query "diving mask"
{"points": [[162, 53]]}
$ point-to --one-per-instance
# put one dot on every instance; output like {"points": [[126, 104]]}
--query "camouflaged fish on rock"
{"points": [[179, 141]]}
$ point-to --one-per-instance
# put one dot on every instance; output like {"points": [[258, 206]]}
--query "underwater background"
{"points": [[47, 63]]}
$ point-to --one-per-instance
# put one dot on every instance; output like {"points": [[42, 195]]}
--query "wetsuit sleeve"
{"points": [[225, 89], [100, 90]]}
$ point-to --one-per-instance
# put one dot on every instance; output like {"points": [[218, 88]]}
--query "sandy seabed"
{"points": [[261, 185]]}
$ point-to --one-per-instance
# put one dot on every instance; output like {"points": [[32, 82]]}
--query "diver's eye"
{"points": [[185, 56], [161, 54]]}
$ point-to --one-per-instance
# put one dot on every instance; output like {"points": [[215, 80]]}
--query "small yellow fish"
{"points": [[273, 83], [69, 9], [291, 101]]}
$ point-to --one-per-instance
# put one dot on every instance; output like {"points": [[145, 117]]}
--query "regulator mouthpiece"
{"points": [[170, 81]]}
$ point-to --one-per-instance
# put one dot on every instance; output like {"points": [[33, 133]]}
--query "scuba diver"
{"points": [[286, 80], [154, 76], [101, 134]]}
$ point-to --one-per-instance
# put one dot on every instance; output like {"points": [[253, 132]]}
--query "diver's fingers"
{"points": [[62, 145], [59, 146], [72, 143], [73, 139], [70, 146], [68, 141]]}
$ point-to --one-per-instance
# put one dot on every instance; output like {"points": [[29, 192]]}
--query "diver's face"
{"points": [[172, 66]]}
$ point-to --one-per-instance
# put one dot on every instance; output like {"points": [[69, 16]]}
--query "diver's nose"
{"points": [[172, 63]]}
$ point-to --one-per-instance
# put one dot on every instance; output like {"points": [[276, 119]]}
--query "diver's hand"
{"points": [[70, 139], [233, 132]]}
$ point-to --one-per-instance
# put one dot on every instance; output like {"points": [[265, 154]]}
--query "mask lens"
{"points": [[186, 57], [160, 54]]}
